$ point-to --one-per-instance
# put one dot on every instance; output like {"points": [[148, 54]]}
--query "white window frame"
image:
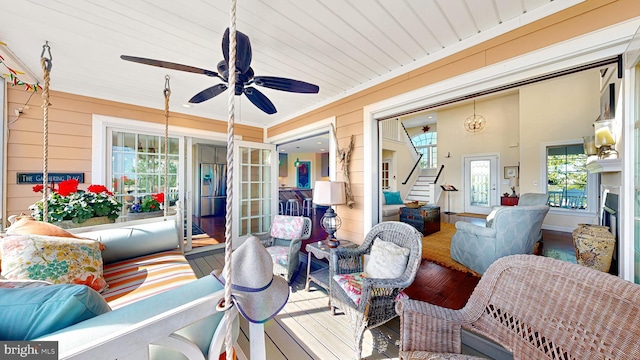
{"points": [[431, 160], [592, 183]]}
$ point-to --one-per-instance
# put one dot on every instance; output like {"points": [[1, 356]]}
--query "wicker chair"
{"points": [[376, 305], [535, 308], [284, 241]]}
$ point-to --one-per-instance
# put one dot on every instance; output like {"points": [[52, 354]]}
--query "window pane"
{"points": [[480, 171], [567, 177]]}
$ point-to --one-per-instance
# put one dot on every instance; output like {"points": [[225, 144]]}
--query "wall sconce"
{"points": [[297, 162], [475, 122]]}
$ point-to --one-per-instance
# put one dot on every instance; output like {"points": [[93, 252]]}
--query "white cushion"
{"points": [[386, 260]]}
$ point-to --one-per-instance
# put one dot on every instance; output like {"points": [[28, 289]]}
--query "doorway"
{"points": [[481, 182]]}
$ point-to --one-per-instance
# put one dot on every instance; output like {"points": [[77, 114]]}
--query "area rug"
{"points": [[436, 248], [195, 230]]}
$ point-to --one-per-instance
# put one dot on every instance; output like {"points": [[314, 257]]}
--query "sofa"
{"points": [[514, 230], [158, 308], [391, 204], [529, 307]]}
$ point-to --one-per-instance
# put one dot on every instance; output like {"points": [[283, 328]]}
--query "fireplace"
{"points": [[610, 211]]}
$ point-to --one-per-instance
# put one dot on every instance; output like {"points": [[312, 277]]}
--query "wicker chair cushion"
{"points": [[351, 284], [287, 227], [386, 260], [279, 255]]}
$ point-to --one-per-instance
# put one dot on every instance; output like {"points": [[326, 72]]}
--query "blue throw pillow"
{"points": [[28, 313], [392, 198]]}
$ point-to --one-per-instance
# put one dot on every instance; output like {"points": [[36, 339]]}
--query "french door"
{"points": [[255, 190], [480, 183]]}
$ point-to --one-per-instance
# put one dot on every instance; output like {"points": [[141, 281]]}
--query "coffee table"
{"points": [[321, 250]]}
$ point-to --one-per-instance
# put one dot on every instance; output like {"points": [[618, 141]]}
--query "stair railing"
{"points": [[412, 144], [412, 170], [439, 172]]}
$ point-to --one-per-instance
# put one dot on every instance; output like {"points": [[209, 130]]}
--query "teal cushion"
{"points": [[28, 313], [392, 198]]}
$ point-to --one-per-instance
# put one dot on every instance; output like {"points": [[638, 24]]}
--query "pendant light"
{"points": [[475, 122]]}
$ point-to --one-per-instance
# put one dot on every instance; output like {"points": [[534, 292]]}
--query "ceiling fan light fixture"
{"points": [[475, 123]]}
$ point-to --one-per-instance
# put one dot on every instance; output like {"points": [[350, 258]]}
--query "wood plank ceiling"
{"points": [[342, 46]]}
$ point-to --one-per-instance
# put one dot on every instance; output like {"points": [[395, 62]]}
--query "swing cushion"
{"points": [[58, 260]]}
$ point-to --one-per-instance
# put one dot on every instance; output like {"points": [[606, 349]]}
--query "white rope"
{"points": [[228, 216], [46, 70], [167, 94]]}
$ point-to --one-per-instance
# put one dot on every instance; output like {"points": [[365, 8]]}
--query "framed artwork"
{"points": [[510, 172], [303, 175]]}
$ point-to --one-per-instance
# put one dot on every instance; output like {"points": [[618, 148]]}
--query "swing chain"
{"points": [[48, 61]]}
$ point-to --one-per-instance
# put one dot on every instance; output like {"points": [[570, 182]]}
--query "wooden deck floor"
{"points": [[305, 328]]}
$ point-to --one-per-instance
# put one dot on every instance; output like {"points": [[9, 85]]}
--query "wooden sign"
{"points": [[36, 178]]}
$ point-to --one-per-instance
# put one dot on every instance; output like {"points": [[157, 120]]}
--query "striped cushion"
{"points": [[139, 278]]}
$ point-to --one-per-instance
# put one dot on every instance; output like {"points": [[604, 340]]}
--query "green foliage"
{"points": [[78, 206]]}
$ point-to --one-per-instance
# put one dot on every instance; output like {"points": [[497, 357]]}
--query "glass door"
{"points": [[480, 183], [255, 189]]}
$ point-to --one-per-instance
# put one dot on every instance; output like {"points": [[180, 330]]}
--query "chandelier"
{"points": [[475, 122]]}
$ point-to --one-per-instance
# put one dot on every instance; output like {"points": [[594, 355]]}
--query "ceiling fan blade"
{"points": [[243, 50], [208, 93], [258, 99], [170, 65], [285, 84]]}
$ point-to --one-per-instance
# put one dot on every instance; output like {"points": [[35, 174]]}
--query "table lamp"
{"points": [[330, 193]]}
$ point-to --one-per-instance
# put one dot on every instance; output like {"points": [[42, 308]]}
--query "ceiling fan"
{"points": [[244, 76]]}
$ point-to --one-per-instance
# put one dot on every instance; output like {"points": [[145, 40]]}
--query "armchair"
{"points": [[284, 242], [527, 199], [514, 230], [366, 293], [521, 305]]}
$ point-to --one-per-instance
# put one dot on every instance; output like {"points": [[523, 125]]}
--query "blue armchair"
{"points": [[514, 230]]}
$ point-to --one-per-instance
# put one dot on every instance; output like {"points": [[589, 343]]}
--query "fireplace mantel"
{"points": [[604, 165]]}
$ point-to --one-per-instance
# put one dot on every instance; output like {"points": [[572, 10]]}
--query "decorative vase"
{"points": [[98, 220], [144, 215], [594, 245]]}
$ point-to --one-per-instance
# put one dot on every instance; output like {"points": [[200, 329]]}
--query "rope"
{"points": [[46, 70], [228, 217], [167, 94]]}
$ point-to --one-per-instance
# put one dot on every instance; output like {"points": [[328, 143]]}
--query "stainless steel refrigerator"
{"points": [[213, 189]]}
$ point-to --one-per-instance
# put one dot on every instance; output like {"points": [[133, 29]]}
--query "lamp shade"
{"points": [[329, 193], [513, 182]]}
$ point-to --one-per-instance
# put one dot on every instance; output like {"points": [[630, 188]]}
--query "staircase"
{"points": [[425, 190]]}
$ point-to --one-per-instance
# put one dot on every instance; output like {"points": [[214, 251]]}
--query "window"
{"points": [[386, 185], [138, 163], [567, 178], [427, 145]]}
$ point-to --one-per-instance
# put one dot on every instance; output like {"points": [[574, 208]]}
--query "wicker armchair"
{"points": [[535, 308], [284, 241], [376, 304]]}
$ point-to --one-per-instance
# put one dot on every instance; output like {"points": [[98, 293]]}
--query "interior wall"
{"points": [[553, 112], [401, 164], [70, 144], [500, 135]]}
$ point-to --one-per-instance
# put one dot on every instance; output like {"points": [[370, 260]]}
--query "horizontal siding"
{"points": [[69, 136]]}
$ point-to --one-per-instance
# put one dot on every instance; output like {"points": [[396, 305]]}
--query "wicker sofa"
{"points": [[532, 307], [160, 310]]}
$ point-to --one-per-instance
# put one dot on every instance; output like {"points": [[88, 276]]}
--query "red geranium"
{"points": [[158, 197], [38, 188], [97, 189], [67, 187]]}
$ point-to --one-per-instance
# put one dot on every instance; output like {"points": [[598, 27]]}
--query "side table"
{"points": [[321, 250]]}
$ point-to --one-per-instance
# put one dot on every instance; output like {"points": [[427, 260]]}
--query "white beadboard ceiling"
{"points": [[341, 46]]}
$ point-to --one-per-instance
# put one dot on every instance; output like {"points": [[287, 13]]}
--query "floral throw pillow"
{"points": [[351, 284], [57, 260], [287, 227]]}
